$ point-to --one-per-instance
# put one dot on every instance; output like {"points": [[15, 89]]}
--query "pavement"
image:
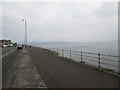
{"points": [[26, 74], [59, 72]]}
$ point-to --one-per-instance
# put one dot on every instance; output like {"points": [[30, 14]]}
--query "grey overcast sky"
{"points": [[60, 21]]}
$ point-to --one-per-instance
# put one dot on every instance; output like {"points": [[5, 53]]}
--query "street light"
{"points": [[25, 38]]}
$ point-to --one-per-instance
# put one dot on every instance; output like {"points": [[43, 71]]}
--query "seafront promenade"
{"points": [[35, 68]]}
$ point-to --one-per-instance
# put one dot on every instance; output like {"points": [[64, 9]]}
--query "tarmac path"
{"points": [[58, 72]]}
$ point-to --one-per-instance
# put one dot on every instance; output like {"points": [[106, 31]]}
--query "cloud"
{"points": [[60, 21], [107, 10]]}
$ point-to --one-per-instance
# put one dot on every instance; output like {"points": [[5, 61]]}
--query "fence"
{"points": [[109, 62]]}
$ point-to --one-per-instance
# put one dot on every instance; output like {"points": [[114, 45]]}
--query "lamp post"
{"points": [[25, 38]]}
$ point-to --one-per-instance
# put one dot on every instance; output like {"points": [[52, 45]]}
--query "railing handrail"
{"points": [[99, 58], [86, 52]]}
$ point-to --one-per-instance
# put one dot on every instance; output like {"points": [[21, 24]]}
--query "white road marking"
{"points": [[7, 54]]}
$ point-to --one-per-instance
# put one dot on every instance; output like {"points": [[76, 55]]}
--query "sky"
{"points": [[60, 21]]}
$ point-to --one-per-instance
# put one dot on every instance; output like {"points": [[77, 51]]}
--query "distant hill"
{"points": [[63, 42]]}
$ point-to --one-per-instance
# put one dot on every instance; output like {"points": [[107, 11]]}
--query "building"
{"points": [[5, 42]]}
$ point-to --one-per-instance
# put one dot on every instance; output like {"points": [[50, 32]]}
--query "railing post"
{"points": [[70, 54], [81, 55], [62, 53], [99, 60], [57, 50]]}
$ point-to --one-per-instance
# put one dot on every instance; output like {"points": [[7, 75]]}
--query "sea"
{"points": [[108, 48]]}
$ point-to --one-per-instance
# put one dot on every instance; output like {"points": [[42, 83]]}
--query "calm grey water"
{"points": [[107, 48]]}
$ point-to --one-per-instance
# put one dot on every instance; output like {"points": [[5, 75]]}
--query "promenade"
{"points": [[58, 72], [35, 68]]}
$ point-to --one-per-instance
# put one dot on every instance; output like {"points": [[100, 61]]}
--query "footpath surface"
{"points": [[58, 72], [27, 75]]}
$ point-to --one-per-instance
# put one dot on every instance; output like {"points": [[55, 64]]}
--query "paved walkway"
{"points": [[27, 75], [61, 73]]}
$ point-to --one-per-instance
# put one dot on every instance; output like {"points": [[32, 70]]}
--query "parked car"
{"points": [[11, 45], [4, 45], [19, 47]]}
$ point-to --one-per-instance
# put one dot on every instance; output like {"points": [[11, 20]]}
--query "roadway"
{"points": [[6, 50], [58, 72], [10, 56]]}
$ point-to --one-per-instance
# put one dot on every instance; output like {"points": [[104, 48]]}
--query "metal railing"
{"points": [[109, 62]]}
